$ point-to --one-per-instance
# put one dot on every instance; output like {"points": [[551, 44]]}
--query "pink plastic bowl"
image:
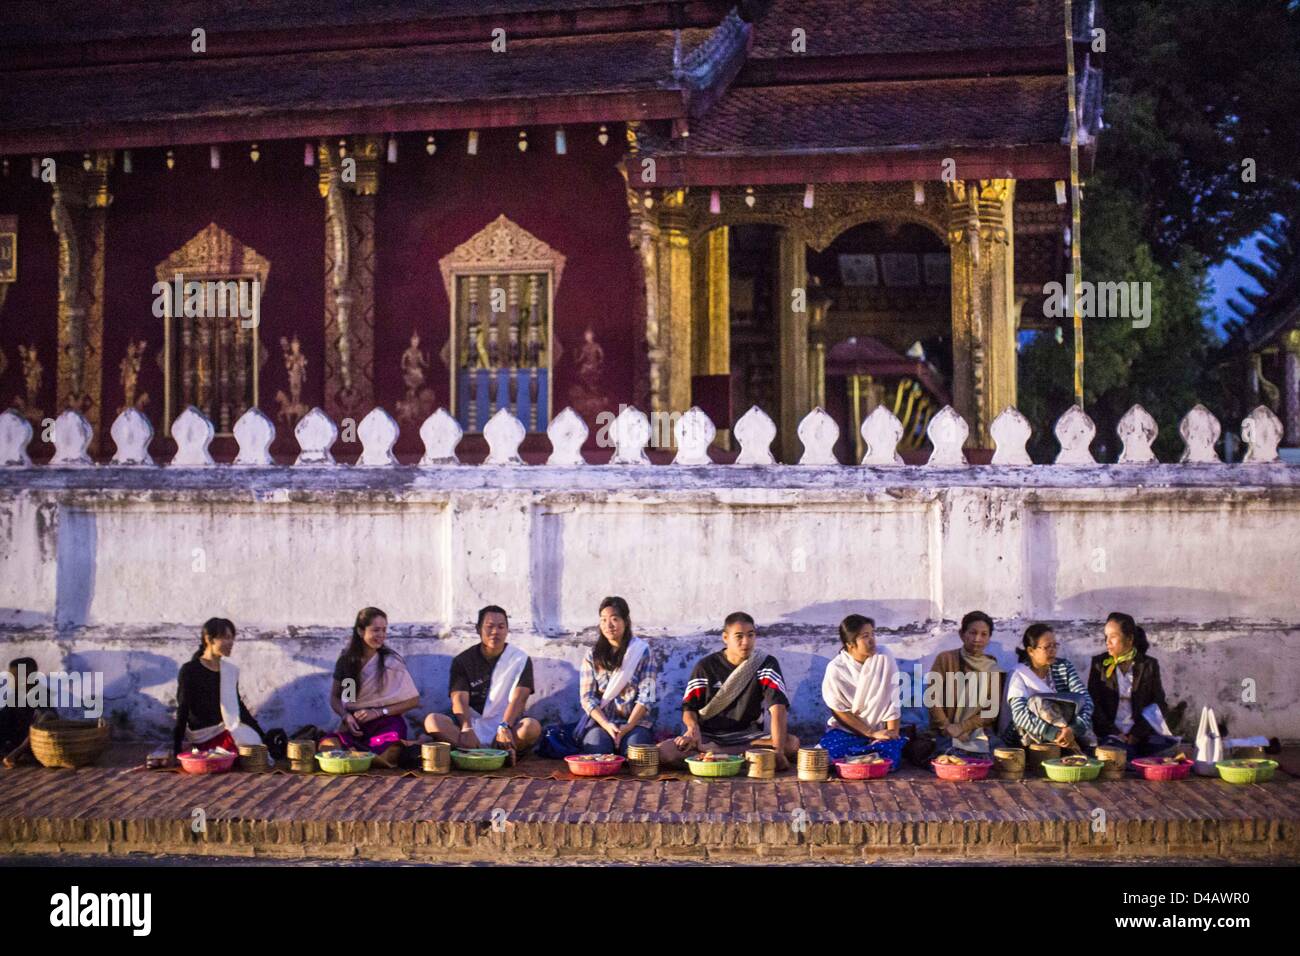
{"points": [[202, 763], [1151, 770], [970, 770], [861, 771], [582, 766]]}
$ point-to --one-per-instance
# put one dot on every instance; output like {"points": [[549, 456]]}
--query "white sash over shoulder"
{"points": [[505, 677], [618, 680]]}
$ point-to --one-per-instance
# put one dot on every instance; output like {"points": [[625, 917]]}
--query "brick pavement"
{"points": [[909, 816]]}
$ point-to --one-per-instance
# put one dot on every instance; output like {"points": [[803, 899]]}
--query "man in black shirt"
{"points": [[489, 688], [726, 698]]}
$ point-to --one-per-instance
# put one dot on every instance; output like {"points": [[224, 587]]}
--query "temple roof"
{"points": [[883, 89]]}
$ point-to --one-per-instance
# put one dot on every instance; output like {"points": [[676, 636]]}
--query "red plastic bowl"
{"points": [[581, 765], [970, 770], [1151, 770], [204, 763], [861, 771]]}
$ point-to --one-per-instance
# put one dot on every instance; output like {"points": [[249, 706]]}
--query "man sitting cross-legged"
{"points": [[489, 689], [726, 698]]}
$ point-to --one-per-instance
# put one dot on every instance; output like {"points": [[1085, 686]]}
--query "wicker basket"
{"points": [[1037, 754], [1008, 774], [253, 758], [301, 750], [1113, 760], [69, 743], [303, 766], [436, 757], [1008, 760], [643, 760], [762, 764], [814, 764]]}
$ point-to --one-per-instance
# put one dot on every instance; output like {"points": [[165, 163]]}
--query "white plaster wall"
{"points": [[98, 570]]}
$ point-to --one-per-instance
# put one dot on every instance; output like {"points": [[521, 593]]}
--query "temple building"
{"points": [[532, 204]]}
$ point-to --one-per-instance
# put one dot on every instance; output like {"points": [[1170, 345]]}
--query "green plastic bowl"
{"points": [[728, 765], [1246, 770], [1068, 773], [356, 763], [480, 758]]}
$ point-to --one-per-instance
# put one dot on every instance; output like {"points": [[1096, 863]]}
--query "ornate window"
{"points": [[501, 284], [212, 354]]}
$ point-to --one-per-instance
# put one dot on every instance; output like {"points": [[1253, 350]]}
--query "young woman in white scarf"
{"points": [[371, 691], [617, 686], [862, 691], [210, 712]]}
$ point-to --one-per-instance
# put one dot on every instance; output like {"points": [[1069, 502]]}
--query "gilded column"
{"points": [[711, 273], [984, 310], [792, 307], [78, 210], [649, 391], [349, 182], [1291, 385], [675, 297]]}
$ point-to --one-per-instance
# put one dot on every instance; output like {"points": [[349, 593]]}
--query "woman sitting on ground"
{"points": [[372, 689], [861, 690], [1048, 702], [210, 712], [17, 720], [617, 688], [1129, 698], [968, 684]]}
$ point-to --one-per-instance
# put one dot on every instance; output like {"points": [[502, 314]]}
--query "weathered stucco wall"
{"points": [[113, 569]]}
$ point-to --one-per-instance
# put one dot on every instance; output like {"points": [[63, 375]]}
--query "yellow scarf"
{"points": [[1111, 662]]}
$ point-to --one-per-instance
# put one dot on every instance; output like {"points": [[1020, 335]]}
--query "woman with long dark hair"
{"points": [[618, 687], [1048, 701], [965, 686], [210, 712], [1126, 689], [861, 690], [371, 690]]}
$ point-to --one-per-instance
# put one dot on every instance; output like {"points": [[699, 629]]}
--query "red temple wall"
{"points": [[426, 206]]}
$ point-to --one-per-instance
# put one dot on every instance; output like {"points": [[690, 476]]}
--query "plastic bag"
{"points": [[1209, 744]]}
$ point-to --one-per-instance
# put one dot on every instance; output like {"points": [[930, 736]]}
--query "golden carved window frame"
{"points": [[500, 248], [214, 255]]}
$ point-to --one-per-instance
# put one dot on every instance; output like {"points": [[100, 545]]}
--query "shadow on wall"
{"points": [[886, 612], [127, 676], [77, 536], [1177, 604]]}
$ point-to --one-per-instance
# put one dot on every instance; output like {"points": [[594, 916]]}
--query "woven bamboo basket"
{"points": [[69, 743], [303, 766], [814, 764], [1035, 754], [1008, 760], [436, 757], [302, 750], [252, 758], [762, 764], [643, 760], [1114, 759], [1008, 774]]}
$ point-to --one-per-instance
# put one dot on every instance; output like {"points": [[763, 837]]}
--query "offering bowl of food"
{"points": [[345, 761], [1246, 769], [479, 758], [594, 765], [952, 767], [207, 761], [1073, 769], [709, 764], [1176, 767], [864, 767]]}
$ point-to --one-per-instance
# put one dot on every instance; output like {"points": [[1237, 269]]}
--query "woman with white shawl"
{"points": [[861, 689], [210, 713], [371, 691], [617, 686]]}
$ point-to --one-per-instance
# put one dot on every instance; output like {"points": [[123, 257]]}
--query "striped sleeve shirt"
{"points": [[1065, 679], [642, 689]]}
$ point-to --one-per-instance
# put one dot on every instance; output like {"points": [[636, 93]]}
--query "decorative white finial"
{"points": [[316, 434], [694, 432], [1200, 431], [1010, 431], [567, 433], [441, 434], [72, 435], [504, 434], [755, 432], [254, 432], [131, 433], [1075, 432], [193, 433], [631, 433], [947, 432], [15, 436], [1137, 430], [1261, 430], [818, 432], [378, 433], [881, 432]]}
